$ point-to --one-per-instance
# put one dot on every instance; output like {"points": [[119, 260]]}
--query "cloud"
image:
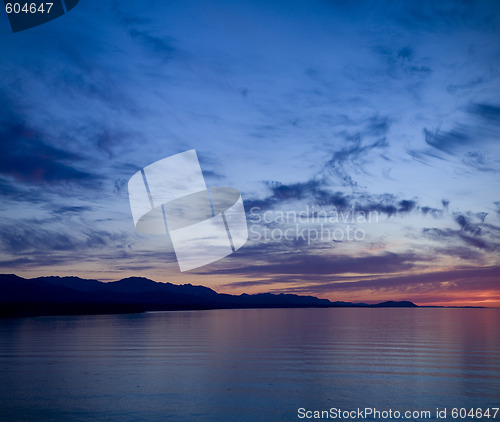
{"points": [[14, 263], [307, 267], [9, 189], [406, 205], [318, 193], [466, 224], [451, 236], [458, 280], [473, 141], [464, 252], [435, 212], [26, 157], [448, 142], [489, 113], [369, 135], [35, 235]]}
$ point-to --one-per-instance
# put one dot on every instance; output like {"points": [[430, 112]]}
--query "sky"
{"points": [[364, 138]]}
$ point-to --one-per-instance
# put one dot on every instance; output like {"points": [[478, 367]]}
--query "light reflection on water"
{"points": [[226, 365]]}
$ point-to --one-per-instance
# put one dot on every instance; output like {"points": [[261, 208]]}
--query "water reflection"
{"points": [[246, 364]]}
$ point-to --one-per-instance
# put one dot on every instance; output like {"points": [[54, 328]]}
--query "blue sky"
{"points": [[379, 106]]}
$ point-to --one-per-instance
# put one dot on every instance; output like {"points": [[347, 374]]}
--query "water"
{"points": [[247, 365]]}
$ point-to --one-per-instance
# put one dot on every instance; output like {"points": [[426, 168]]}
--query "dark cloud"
{"points": [[467, 225], [420, 287], [406, 53], [249, 283], [14, 263], [318, 193], [448, 142], [13, 192], [279, 192], [290, 279], [120, 185], [480, 243], [407, 206], [490, 113], [32, 235], [463, 252], [436, 213], [467, 141], [468, 241], [378, 126], [350, 152], [36, 260], [468, 235], [308, 267], [26, 157], [458, 280]]}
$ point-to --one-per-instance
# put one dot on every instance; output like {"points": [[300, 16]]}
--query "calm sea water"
{"points": [[247, 365]]}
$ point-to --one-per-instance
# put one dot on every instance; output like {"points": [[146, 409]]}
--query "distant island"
{"points": [[76, 296]]}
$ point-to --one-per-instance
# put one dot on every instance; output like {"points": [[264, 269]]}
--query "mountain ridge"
{"points": [[54, 295]]}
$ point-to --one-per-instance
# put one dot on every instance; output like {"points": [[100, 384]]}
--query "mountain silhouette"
{"points": [[74, 295]]}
